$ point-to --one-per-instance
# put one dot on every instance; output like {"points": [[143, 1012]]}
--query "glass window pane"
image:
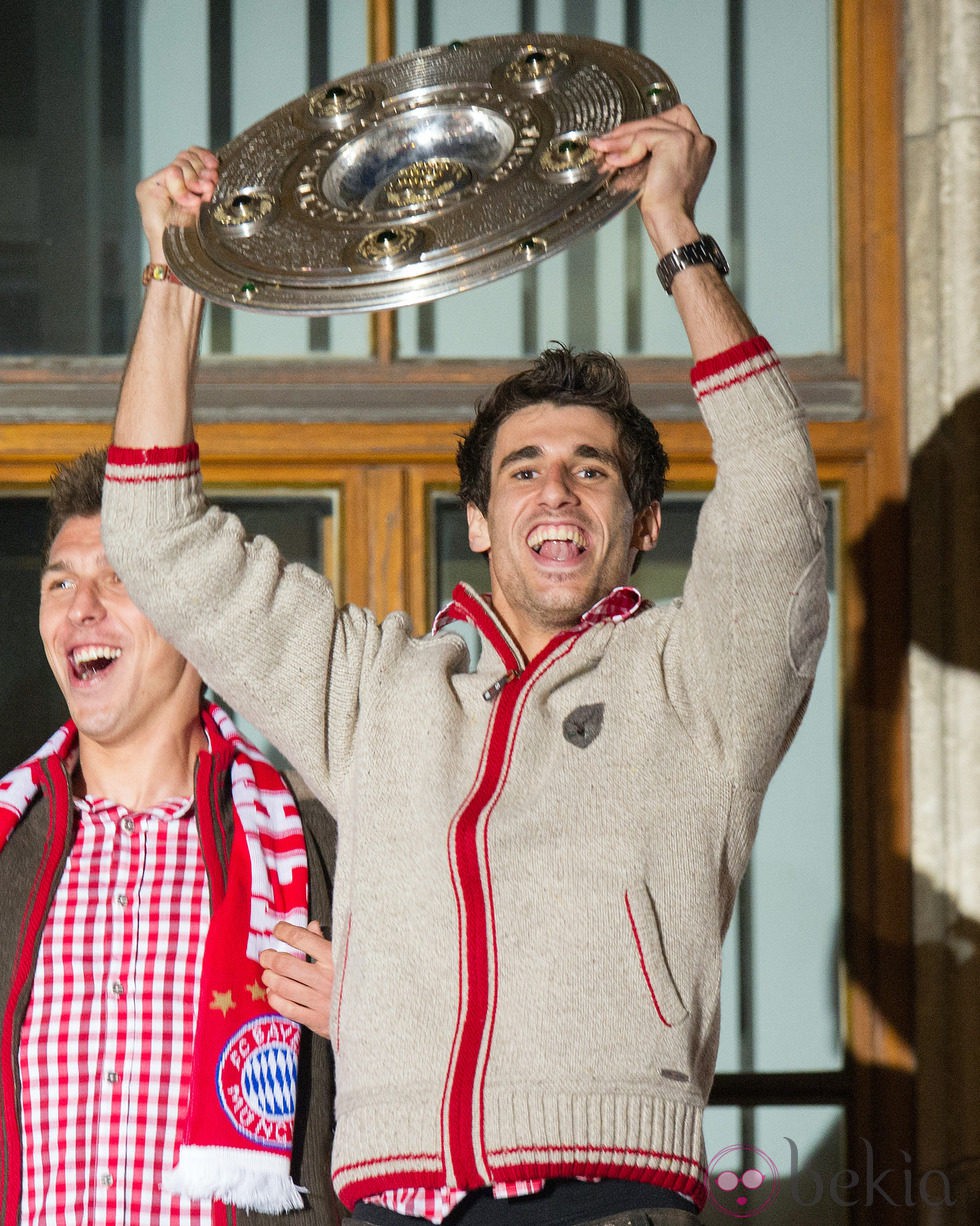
{"points": [[304, 524], [784, 948], [453, 561], [780, 1003], [793, 905], [305, 528], [775, 160], [31, 706], [147, 77]]}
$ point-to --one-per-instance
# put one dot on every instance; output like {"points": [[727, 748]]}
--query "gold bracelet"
{"points": [[159, 272]]}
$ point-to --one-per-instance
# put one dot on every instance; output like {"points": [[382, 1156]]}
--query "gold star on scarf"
{"points": [[222, 1001], [256, 990]]}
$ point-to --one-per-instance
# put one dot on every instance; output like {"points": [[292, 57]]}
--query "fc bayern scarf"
{"points": [[237, 1138]]}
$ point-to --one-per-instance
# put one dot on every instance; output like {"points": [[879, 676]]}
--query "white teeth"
{"points": [[85, 655], [557, 532]]}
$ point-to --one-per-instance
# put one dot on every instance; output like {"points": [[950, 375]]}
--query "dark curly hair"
{"points": [[76, 489], [562, 377]]}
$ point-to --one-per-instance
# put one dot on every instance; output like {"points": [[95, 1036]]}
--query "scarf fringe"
{"points": [[237, 1177]]}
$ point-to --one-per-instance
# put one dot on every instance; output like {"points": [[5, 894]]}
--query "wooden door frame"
{"points": [[381, 470]]}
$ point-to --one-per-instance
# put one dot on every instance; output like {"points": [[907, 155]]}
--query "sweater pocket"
{"points": [[641, 911], [340, 977]]}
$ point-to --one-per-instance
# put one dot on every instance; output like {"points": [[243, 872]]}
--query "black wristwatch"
{"points": [[704, 251]]}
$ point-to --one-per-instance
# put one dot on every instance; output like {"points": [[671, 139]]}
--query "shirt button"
{"points": [[122, 900], [106, 1181], [128, 825], [117, 988], [112, 1077]]}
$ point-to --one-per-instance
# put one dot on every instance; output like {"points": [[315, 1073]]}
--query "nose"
{"points": [[86, 606], [557, 488]]}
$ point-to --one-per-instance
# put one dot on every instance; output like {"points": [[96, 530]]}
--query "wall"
{"points": [[942, 185]]}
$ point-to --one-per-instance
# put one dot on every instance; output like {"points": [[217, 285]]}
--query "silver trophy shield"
{"points": [[420, 176]]}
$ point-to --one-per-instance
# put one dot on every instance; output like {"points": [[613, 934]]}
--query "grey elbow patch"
{"points": [[807, 620]]}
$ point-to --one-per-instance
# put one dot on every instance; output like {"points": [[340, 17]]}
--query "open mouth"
{"points": [[558, 542], [87, 662]]}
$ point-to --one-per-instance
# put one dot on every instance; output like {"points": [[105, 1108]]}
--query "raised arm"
{"points": [[157, 390], [744, 643], [680, 156], [267, 636]]}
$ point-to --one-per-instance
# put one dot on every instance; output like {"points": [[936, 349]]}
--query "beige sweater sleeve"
{"points": [[743, 647], [267, 636]]}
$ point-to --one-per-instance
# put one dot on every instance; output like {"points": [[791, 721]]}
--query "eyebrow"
{"points": [[522, 453], [584, 451], [62, 564]]}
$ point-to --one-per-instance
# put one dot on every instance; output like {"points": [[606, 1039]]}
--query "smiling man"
{"points": [[562, 478], [130, 980], [546, 806]]}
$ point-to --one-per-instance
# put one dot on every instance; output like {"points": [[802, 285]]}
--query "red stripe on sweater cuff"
{"points": [[756, 346], [148, 457]]}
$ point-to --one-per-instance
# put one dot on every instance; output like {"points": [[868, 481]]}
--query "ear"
{"points": [[646, 528], [479, 532]]}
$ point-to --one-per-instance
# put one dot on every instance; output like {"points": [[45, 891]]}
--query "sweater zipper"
{"points": [[491, 693], [468, 841]]}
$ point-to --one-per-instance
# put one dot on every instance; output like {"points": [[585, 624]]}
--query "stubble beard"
{"points": [[559, 608]]}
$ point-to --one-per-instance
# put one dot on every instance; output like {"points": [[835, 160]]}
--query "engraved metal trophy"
{"points": [[419, 177]]}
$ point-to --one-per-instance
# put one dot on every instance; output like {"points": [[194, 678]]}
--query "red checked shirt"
{"points": [[105, 1050]]}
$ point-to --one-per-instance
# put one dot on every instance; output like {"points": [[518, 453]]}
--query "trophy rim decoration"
{"points": [[419, 177]]}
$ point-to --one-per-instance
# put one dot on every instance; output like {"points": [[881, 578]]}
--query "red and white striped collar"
{"points": [[619, 605], [466, 605]]}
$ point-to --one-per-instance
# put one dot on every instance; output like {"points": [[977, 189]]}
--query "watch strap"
{"points": [[702, 251]]}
